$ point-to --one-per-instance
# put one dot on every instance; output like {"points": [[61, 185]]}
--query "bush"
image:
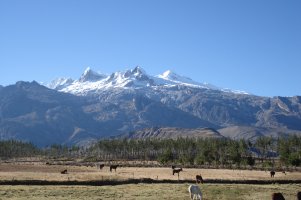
{"points": [[294, 159], [250, 161]]}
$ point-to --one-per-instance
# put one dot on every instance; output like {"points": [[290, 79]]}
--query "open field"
{"points": [[40, 171], [148, 191]]}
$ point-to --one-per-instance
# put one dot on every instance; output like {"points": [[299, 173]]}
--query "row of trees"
{"points": [[217, 152], [15, 149], [184, 151], [180, 151]]}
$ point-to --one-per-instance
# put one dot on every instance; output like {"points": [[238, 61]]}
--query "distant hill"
{"points": [[252, 133], [169, 132], [31, 112]]}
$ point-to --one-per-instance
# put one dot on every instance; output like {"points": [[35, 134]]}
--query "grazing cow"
{"points": [[64, 171], [272, 173], [195, 191], [277, 196], [113, 167], [176, 171], [101, 166], [299, 196], [199, 179]]}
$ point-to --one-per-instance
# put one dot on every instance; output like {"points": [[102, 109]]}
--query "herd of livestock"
{"points": [[194, 189]]}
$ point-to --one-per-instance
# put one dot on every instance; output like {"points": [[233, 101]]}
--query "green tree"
{"points": [[294, 159], [166, 157]]}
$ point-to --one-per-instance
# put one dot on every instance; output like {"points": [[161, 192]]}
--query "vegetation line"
{"points": [[144, 180], [281, 154]]}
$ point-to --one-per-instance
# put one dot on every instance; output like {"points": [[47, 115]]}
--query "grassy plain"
{"points": [[40, 171], [147, 192]]}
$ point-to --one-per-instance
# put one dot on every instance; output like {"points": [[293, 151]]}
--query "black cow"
{"points": [[299, 196], [101, 166], [113, 167], [272, 174], [277, 196]]}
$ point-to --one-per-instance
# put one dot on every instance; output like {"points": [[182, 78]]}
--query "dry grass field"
{"points": [[40, 171]]}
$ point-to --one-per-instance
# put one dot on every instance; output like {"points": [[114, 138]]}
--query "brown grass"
{"points": [[40, 171]]}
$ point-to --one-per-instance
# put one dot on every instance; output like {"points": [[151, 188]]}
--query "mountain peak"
{"points": [[59, 83], [90, 75], [169, 75], [91, 81], [183, 80], [138, 70], [87, 70]]}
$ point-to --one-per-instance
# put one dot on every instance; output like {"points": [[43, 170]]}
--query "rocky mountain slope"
{"points": [[31, 112], [98, 105], [174, 133]]}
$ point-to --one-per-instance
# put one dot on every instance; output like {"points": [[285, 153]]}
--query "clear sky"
{"points": [[251, 45]]}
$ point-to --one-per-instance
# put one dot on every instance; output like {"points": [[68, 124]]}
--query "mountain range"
{"points": [[96, 105]]}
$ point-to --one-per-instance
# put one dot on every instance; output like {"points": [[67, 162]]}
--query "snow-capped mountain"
{"points": [[92, 82], [90, 75], [110, 105]]}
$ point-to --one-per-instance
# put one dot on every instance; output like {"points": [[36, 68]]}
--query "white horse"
{"points": [[195, 191]]}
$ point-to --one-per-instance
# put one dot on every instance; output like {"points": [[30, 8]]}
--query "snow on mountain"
{"points": [[90, 75], [136, 77], [234, 91], [59, 83], [182, 80], [92, 82], [171, 76], [176, 79]]}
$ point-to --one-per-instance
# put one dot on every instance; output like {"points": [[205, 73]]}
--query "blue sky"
{"points": [[251, 45]]}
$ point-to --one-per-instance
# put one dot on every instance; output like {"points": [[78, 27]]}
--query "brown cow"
{"points": [[272, 174], [176, 171], [64, 171], [113, 167], [199, 179], [277, 196]]}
